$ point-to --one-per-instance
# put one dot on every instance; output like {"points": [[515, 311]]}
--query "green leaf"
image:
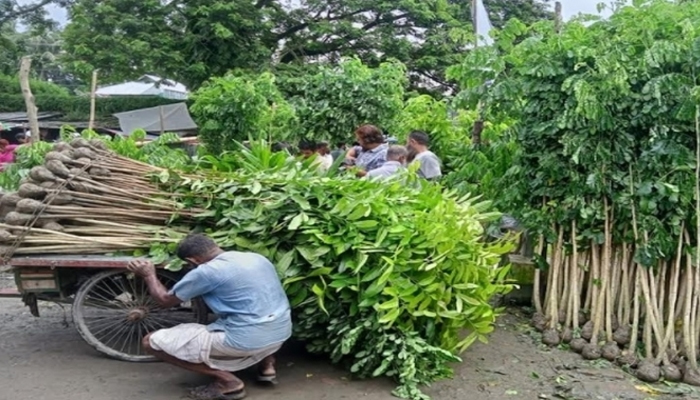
{"points": [[388, 305], [366, 224], [284, 262], [256, 188], [296, 222], [390, 317], [320, 293]]}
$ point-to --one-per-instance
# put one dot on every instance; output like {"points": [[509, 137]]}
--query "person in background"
{"points": [[21, 138], [280, 146], [7, 153], [395, 162], [371, 153], [340, 148], [243, 289], [429, 163], [324, 153], [307, 148]]}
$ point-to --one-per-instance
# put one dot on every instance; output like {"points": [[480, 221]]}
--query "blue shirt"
{"points": [[389, 169], [371, 159], [244, 291]]}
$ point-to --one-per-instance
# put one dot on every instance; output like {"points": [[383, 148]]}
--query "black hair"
{"points": [[321, 145], [20, 136], [280, 146], [195, 245], [370, 134], [420, 137], [307, 145]]}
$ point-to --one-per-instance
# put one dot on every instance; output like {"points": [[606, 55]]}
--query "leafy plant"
{"points": [[608, 125], [26, 157], [335, 101], [238, 107], [10, 85], [384, 278]]}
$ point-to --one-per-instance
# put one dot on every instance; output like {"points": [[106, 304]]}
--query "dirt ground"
{"points": [[42, 358]]}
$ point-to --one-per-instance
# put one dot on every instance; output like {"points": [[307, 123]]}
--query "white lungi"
{"points": [[195, 344]]}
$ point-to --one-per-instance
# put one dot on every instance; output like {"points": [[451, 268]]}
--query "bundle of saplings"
{"points": [[608, 175], [86, 199], [389, 279]]}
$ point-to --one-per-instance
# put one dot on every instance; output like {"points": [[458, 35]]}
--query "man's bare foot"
{"points": [[266, 367]]}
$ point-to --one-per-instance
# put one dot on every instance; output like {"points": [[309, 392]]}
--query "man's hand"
{"points": [[142, 268]]}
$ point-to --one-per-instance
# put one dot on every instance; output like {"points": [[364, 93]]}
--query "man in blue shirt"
{"points": [[244, 291]]}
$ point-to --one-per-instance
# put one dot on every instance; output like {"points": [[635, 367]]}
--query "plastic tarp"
{"points": [[175, 118]]}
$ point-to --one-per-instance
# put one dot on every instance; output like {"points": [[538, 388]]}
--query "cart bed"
{"points": [[71, 261]]}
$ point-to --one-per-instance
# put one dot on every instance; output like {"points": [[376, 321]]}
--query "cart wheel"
{"points": [[113, 311]]}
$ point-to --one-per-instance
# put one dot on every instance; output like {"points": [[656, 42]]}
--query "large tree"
{"points": [[28, 12], [191, 40]]}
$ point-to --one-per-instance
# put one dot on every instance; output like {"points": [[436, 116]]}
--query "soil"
{"points": [[43, 358]]}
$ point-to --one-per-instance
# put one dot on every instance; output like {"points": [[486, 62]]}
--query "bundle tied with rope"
{"points": [[86, 199]]}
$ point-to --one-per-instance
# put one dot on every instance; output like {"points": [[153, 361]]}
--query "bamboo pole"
{"points": [[93, 90], [162, 120], [30, 103]]}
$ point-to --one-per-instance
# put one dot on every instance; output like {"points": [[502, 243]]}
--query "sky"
{"points": [[570, 8]]}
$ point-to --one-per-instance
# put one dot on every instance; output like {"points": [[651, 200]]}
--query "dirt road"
{"points": [[45, 358]]}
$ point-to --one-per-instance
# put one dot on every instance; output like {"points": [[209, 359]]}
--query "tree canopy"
{"points": [[193, 40], [30, 13]]}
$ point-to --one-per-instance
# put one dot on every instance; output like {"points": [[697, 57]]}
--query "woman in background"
{"points": [[7, 153]]}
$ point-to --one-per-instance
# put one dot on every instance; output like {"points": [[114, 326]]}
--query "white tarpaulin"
{"points": [[174, 118]]}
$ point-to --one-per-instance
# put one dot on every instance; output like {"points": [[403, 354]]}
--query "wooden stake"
{"points": [[24, 69], [558, 17], [93, 90], [162, 120]]}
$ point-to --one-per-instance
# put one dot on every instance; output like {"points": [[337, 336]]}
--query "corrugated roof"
{"points": [[21, 116], [125, 89], [146, 85]]}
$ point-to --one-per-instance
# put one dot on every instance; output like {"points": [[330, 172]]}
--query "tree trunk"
{"points": [[476, 131], [559, 18], [24, 68]]}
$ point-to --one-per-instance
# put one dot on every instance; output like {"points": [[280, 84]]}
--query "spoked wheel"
{"points": [[113, 311]]}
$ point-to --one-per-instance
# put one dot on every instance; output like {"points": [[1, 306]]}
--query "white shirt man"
{"points": [[429, 163]]}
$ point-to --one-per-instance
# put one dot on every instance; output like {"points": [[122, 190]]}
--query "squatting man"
{"points": [[244, 291]]}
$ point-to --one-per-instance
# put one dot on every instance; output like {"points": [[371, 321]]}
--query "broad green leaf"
{"points": [[296, 222]]}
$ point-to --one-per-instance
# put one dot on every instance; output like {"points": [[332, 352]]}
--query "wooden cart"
{"points": [[111, 308]]}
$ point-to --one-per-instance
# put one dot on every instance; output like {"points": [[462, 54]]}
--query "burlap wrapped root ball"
{"points": [[58, 156], [58, 169], [31, 191], [30, 206], [42, 174]]}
